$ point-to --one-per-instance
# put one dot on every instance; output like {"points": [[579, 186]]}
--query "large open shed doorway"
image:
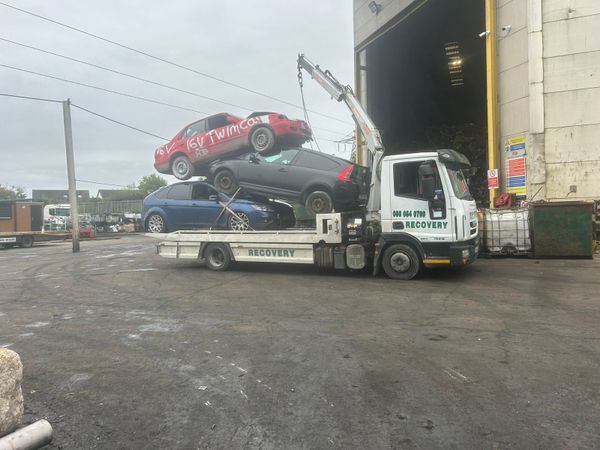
{"points": [[426, 83]]}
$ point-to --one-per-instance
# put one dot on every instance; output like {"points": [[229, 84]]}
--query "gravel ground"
{"points": [[123, 349]]}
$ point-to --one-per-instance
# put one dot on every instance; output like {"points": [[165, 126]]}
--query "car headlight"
{"points": [[262, 208]]}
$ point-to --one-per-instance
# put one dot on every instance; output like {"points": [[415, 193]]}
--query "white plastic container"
{"points": [[506, 231]]}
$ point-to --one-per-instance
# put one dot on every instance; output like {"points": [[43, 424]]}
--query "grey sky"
{"points": [[253, 44]]}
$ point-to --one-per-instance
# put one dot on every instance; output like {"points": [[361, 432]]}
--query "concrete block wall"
{"points": [[367, 23], [571, 57]]}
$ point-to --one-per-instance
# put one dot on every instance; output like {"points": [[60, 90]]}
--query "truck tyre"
{"points": [[262, 140], [225, 182], [401, 262], [26, 241], [217, 257], [318, 202], [156, 224], [182, 168]]}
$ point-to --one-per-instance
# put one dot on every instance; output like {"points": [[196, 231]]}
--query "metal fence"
{"points": [[110, 207]]}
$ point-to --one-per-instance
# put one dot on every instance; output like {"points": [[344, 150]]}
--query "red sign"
{"points": [[493, 182]]}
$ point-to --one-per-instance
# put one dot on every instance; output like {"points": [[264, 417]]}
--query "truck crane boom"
{"points": [[364, 123]]}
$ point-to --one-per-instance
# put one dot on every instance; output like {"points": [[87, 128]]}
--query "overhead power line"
{"points": [[30, 98], [135, 77], [118, 122], [166, 61], [118, 72], [102, 184], [124, 94]]}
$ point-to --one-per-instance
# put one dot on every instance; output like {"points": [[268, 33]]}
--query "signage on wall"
{"points": [[492, 177], [516, 174]]}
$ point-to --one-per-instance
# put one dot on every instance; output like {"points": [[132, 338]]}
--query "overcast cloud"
{"points": [[248, 43]]}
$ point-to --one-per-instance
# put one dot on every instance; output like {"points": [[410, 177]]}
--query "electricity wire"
{"points": [[166, 61], [91, 86], [118, 122], [30, 98], [135, 77]]}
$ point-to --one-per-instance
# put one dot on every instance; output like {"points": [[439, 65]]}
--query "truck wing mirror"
{"points": [[427, 180]]}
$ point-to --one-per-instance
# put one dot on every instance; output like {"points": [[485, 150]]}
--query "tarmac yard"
{"points": [[123, 349]]}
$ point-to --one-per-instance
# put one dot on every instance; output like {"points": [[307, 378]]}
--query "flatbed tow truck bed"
{"points": [[285, 246]]}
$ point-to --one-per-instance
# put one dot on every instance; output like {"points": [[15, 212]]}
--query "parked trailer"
{"points": [[22, 239]]}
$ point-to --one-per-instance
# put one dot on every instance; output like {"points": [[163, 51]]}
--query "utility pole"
{"points": [[71, 174]]}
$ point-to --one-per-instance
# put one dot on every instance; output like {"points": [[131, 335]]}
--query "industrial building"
{"points": [[514, 84]]}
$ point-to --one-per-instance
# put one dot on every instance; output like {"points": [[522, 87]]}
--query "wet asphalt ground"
{"points": [[125, 350]]}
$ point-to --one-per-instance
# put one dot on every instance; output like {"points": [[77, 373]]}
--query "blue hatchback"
{"points": [[198, 205]]}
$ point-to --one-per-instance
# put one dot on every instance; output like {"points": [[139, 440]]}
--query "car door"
{"points": [[178, 206], [205, 205], [268, 174], [224, 135]]}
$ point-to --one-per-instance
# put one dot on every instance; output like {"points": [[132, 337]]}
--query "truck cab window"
{"points": [[406, 179]]}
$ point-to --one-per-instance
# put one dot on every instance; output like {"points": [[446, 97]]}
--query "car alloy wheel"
{"points": [[241, 224], [156, 224]]}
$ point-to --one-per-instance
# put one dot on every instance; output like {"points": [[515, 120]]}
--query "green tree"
{"points": [[12, 192], [150, 183]]}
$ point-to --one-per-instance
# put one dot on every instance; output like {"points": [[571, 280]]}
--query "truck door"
{"points": [[418, 204]]}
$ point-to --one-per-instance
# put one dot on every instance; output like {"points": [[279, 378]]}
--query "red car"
{"points": [[214, 137]]}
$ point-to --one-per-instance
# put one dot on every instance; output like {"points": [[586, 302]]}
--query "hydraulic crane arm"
{"points": [[364, 123]]}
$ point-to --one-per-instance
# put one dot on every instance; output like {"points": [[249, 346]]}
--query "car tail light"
{"points": [[346, 174]]}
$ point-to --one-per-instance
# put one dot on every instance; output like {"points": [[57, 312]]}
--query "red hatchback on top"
{"points": [[215, 137]]}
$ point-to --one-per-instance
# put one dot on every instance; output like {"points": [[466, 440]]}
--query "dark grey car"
{"points": [[321, 182]]}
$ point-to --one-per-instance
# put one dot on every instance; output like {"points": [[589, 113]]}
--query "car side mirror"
{"points": [[427, 179], [213, 198], [254, 159]]}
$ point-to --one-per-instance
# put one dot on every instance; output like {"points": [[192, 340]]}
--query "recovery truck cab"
{"points": [[419, 214]]}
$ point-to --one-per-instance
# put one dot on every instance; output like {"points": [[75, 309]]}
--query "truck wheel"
{"points": [[400, 262], [156, 224], [318, 202], [225, 182], [26, 241], [262, 140], [217, 257], [182, 168]]}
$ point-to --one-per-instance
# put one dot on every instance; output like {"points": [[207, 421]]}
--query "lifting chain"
{"points": [[300, 79]]}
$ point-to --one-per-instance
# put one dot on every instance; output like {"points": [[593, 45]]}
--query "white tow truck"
{"points": [[419, 214]]}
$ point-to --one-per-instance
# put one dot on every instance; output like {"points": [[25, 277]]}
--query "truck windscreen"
{"points": [[459, 182]]}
